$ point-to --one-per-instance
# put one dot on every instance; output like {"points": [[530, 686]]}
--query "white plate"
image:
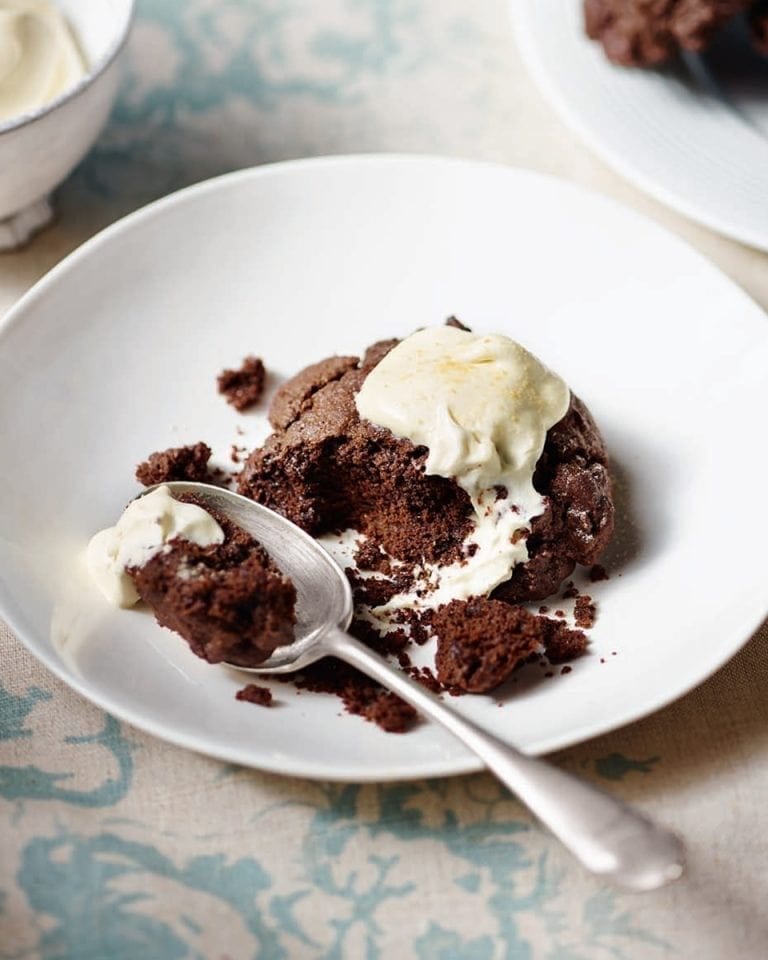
{"points": [[693, 134], [114, 354]]}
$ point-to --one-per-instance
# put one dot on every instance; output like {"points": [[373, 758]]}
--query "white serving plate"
{"points": [[693, 134], [114, 354]]}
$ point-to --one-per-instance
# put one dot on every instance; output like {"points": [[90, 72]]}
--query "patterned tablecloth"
{"points": [[115, 845]]}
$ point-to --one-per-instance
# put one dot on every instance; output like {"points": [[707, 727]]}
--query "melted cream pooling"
{"points": [[144, 529], [39, 56], [482, 405]]}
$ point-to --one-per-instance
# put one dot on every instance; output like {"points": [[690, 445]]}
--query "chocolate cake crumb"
{"points": [[480, 642], [243, 388], [570, 592], [562, 643], [416, 623], [253, 693], [584, 612], [176, 463], [597, 572], [566, 669], [370, 556], [560, 614], [389, 712], [360, 695], [543, 608]]}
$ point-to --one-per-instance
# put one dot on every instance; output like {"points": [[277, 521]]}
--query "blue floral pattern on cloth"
{"points": [[231, 83], [108, 873]]}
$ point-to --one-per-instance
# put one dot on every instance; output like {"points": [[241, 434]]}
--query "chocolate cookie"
{"points": [[326, 469]]}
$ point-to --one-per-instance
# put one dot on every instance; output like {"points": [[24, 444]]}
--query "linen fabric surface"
{"points": [[116, 845]]}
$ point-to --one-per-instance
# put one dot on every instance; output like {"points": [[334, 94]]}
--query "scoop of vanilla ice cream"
{"points": [[144, 529], [482, 406]]}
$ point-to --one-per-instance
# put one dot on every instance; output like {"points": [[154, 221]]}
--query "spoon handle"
{"points": [[608, 837]]}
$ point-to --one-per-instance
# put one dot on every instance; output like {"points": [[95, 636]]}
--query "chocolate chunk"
{"points": [[455, 322]]}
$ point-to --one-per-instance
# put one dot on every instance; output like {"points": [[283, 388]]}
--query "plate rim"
{"points": [[464, 763], [527, 42]]}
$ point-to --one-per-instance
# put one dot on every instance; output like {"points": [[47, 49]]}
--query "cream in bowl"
{"points": [[59, 74], [40, 57]]}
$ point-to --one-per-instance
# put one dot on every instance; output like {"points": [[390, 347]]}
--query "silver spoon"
{"points": [[605, 835]]}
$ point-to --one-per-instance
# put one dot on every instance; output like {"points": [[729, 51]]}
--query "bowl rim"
{"points": [[100, 65]]}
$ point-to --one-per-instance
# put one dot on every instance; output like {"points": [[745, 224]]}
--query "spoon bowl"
{"points": [[323, 594], [608, 837]]}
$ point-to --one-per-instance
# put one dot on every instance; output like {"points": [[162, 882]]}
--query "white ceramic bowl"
{"points": [[40, 148]]}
